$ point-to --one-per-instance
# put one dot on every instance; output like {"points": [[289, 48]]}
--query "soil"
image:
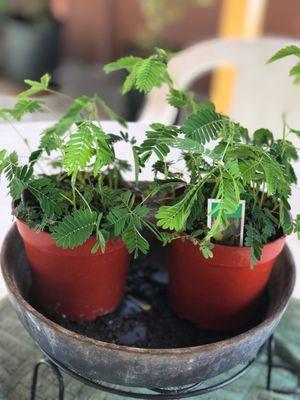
{"points": [[144, 318]]}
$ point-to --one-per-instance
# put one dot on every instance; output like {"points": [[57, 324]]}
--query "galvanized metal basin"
{"points": [[100, 361]]}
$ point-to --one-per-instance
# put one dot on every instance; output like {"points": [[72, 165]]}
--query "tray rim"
{"points": [[205, 348]]}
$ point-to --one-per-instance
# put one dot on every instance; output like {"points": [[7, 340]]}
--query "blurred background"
{"points": [[73, 39]]}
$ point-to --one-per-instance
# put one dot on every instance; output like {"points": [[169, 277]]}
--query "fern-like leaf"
{"points": [[48, 196], [127, 63], [103, 150], [18, 179], [253, 240], [79, 149], [149, 74], [159, 140], [174, 217], [229, 191], [285, 52], [36, 86], [134, 241], [177, 98], [74, 229], [203, 126], [50, 139], [22, 107]]}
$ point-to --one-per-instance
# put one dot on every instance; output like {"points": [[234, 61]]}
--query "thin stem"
{"points": [[60, 94], [67, 198], [263, 195], [84, 200], [73, 185], [24, 140]]}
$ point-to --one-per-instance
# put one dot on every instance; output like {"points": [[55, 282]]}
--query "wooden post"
{"points": [[239, 18]]}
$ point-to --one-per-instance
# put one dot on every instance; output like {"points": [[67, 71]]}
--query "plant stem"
{"points": [[84, 200], [73, 185]]}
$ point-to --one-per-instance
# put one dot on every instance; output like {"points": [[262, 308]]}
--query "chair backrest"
{"points": [[262, 92]]}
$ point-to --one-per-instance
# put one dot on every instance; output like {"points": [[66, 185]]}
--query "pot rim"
{"points": [[283, 237], [112, 244], [227, 343]]}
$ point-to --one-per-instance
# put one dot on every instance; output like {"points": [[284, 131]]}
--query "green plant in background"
{"points": [[87, 195], [159, 14], [222, 162]]}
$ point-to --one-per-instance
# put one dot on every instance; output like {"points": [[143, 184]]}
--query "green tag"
{"points": [[233, 234]]}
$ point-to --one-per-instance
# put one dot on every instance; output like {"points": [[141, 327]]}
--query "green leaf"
{"points": [[144, 74], [263, 136], [50, 139], [134, 241], [48, 196], [34, 156], [188, 145], [79, 149], [177, 98], [248, 170], [228, 191], [206, 249], [3, 160], [297, 227], [159, 139], [252, 239], [18, 178], [74, 229], [103, 150], [295, 71], [149, 74], [203, 126], [127, 221], [36, 86], [284, 52], [22, 107], [174, 217], [118, 218], [284, 216], [129, 82], [123, 63], [101, 243]]}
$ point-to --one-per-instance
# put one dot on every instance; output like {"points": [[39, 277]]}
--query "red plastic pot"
{"points": [[221, 293], [73, 282]]}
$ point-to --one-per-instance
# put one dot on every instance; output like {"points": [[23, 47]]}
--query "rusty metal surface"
{"points": [[100, 361]]}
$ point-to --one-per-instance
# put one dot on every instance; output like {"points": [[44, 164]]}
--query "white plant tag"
{"points": [[233, 235]]}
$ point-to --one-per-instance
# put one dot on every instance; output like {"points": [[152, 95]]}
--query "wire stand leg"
{"points": [[270, 352], [271, 365], [57, 373]]}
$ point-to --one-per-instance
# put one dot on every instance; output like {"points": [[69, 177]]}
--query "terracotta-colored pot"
{"points": [[221, 293], [73, 282]]}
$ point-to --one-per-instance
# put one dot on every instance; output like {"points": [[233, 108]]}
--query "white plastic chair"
{"points": [[262, 91]]}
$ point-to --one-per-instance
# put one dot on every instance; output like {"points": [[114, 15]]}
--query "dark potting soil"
{"points": [[144, 318]]}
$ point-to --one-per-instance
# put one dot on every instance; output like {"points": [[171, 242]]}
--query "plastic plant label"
{"points": [[233, 234]]}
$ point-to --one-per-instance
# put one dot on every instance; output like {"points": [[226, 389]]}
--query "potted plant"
{"points": [[30, 22], [80, 222], [228, 218]]}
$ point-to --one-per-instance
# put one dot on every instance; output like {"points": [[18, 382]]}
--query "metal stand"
{"points": [[166, 394], [271, 365], [57, 373]]}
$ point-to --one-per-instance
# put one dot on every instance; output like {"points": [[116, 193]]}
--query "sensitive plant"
{"points": [[85, 194], [222, 162]]}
